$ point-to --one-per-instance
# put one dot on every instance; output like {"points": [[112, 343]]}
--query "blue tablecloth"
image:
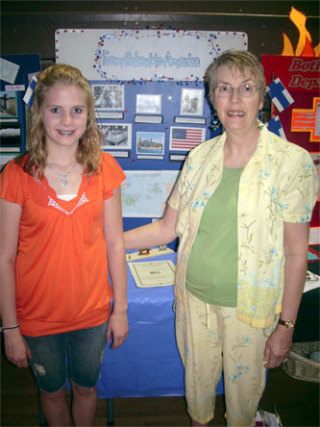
{"points": [[148, 363]]}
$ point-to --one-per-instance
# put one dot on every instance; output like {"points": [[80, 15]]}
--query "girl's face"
{"points": [[64, 114], [236, 100]]}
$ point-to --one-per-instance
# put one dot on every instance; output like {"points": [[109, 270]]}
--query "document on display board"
{"points": [[8, 70], [153, 273], [145, 192]]}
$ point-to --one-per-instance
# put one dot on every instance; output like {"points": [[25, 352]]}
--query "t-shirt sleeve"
{"points": [[11, 188], [301, 193], [112, 173]]}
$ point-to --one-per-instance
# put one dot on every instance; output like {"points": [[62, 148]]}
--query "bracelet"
{"points": [[9, 327]]}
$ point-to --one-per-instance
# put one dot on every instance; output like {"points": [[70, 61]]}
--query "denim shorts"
{"points": [[74, 355]]}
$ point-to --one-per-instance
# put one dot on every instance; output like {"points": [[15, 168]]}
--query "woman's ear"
{"points": [[211, 98]]}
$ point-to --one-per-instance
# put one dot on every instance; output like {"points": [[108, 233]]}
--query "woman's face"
{"points": [[236, 100]]}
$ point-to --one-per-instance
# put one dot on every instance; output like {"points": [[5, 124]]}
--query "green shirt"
{"points": [[213, 261]]}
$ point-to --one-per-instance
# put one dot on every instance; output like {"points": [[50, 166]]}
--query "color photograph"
{"points": [[150, 143], [8, 105]]}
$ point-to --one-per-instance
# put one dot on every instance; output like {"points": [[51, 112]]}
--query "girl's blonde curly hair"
{"points": [[89, 148]]}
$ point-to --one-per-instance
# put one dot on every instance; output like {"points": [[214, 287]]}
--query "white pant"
{"points": [[214, 339]]}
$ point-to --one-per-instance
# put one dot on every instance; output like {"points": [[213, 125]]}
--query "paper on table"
{"points": [[153, 273], [148, 253]]}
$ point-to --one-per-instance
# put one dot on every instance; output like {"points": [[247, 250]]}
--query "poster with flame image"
{"points": [[297, 70]]}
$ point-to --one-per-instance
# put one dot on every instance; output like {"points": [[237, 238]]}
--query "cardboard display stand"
{"points": [[150, 102], [16, 72], [297, 108]]}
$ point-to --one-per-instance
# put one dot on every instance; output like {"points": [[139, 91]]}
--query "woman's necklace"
{"points": [[63, 176]]}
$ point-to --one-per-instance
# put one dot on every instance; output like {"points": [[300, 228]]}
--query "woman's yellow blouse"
{"points": [[279, 184]]}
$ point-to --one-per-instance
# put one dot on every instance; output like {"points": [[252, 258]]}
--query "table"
{"points": [[148, 363]]}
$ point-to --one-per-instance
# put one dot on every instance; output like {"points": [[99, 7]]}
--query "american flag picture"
{"points": [[184, 139]]}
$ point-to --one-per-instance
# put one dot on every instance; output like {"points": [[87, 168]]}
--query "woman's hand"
{"points": [[117, 329], [277, 347], [16, 349]]}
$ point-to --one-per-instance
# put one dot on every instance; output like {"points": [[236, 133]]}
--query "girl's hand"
{"points": [[117, 329], [16, 349]]}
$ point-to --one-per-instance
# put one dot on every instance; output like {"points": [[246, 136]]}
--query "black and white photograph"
{"points": [[148, 104], [108, 97], [192, 102], [116, 136], [10, 132], [10, 136]]}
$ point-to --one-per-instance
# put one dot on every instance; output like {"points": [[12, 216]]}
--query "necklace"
{"points": [[63, 176]]}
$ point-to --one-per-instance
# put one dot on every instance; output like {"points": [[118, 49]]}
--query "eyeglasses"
{"points": [[246, 90]]}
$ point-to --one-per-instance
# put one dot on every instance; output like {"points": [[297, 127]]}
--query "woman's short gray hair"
{"points": [[241, 60]]}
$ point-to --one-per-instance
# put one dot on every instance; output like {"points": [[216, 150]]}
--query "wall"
{"points": [[29, 26]]}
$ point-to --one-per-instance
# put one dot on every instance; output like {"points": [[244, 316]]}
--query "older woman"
{"points": [[241, 209]]}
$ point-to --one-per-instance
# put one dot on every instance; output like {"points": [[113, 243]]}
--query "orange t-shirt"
{"points": [[61, 264]]}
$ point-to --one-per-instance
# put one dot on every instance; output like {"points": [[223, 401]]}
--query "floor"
{"points": [[296, 401]]}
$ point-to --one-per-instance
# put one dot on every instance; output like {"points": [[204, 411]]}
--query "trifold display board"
{"points": [[15, 73], [293, 86], [150, 102]]}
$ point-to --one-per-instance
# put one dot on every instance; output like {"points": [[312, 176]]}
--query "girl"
{"points": [[62, 234]]}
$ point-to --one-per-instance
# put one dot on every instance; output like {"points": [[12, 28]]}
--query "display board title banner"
{"points": [[148, 55]]}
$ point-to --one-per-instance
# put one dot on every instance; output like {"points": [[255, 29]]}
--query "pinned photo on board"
{"points": [[8, 105], [10, 132], [150, 143], [116, 136], [108, 97], [148, 104], [192, 102]]}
